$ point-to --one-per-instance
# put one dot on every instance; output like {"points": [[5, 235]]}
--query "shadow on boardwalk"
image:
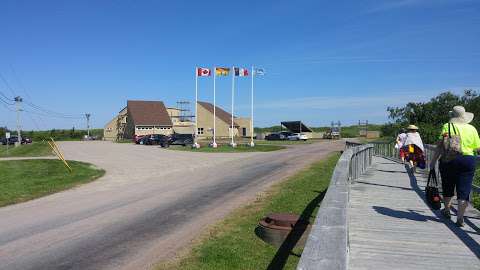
{"points": [[462, 234]]}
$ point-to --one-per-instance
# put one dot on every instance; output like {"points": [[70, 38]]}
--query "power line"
{"points": [[52, 113], [19, 82], [5, 96], [21, 85], [7, 84], [3, 101], [6, 107], [54, 116]]}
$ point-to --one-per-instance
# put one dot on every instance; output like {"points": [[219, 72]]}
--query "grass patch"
{"points": [[35, 149], [229, 149], [232, 244], [23, 180], [265, 142], [476, 196]]}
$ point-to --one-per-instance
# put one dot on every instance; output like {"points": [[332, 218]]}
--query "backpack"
{"points": [[431, 191], [451, 144]]}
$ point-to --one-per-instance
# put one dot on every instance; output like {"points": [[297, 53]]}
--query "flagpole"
{"points": [[214, 144], [252, 144], [196, 145], [233, 94]]}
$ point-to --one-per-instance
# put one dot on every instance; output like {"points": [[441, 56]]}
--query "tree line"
{"points": [[431, 115], [57, 134]]}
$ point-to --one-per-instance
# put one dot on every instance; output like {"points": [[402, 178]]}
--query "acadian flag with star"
{"points": [[221, 71], [258, 71]]}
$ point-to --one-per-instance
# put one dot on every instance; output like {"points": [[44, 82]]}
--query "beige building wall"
{"points": [[174, 114], [148, 130], [182, 127], [244, 126], [205, 125], [112, 128]]}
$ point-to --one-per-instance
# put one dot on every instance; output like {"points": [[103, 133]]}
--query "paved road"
{"points": [[150, 203]]}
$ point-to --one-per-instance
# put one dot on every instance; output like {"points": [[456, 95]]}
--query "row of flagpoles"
{"points": [[224, 71]]}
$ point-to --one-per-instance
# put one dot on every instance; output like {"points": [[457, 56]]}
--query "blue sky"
{"points": [[325, 60]]}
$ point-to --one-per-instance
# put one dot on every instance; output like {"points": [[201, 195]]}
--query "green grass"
{"points": [[476, 196], [36, 149], [265, 142], [232, 244], [23, 180], [229, 149]]}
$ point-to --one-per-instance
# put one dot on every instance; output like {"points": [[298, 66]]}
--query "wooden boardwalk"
{"points": [[391, 227]]}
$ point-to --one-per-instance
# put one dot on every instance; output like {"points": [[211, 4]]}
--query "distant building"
{"points": [[181, 123], [223, 123], [152, 117], [139, 118], [147, 117]]}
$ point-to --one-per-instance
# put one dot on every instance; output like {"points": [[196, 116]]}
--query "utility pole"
{"points": [[18, 101], [87, 115]]}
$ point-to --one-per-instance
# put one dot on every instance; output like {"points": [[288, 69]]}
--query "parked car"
{"points": [[91, 138], [143, 140], [297, 137], [157, 139], [180, 139], [14, 139], [283, 135], [137, 138], [273, 137]]}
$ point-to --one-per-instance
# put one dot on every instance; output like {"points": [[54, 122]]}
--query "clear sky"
{"points": [[325, 60]]}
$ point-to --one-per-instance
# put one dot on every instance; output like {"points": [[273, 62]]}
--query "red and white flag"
{"points": [[203, 72], [242, 72]]}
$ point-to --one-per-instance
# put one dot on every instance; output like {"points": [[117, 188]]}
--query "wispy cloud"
{"points": [[383, 6], [342, 102]]}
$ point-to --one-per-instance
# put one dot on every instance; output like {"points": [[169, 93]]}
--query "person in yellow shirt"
{"points": [[457, 172]]}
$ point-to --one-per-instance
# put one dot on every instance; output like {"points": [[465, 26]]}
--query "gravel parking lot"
{"points": [[150, 203]]}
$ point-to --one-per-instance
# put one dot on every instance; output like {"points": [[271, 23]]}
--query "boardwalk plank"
{"points": [[391, 227]]}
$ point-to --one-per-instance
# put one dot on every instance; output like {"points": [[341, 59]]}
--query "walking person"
{"points": [[458, 145], [413, 149], [400, 142]]}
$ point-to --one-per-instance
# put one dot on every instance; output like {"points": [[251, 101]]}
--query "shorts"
{"points": [[458, 174]]}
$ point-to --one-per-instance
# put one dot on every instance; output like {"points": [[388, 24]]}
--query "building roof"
{"points": [[296, 126], [219, 112], [151, 113]]}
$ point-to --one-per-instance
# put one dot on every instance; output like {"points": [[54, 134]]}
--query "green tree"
{"points": [[430, 116]]}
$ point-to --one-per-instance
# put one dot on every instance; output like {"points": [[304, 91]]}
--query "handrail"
{"points": [[388, 150], [327, 244], [349, 144]]}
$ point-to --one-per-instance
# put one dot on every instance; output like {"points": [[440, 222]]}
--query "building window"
{"points": [[200, 131]]}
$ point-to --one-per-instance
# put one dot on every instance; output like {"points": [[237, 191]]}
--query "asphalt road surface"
{"points": [[151, 203]]}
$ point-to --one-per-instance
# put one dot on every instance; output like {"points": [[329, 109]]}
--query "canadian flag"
{"points": [[202, 72]]}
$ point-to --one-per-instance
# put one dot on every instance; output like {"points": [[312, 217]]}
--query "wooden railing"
{"points": [[327, 244]]}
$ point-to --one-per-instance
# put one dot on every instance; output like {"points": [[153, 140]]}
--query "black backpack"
{"points": [[431, 191]]}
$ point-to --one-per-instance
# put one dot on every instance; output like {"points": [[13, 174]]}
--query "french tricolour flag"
{"points": [[242, 72]]}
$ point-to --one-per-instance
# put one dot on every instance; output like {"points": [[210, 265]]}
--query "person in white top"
{"points": [[401, 138]]}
